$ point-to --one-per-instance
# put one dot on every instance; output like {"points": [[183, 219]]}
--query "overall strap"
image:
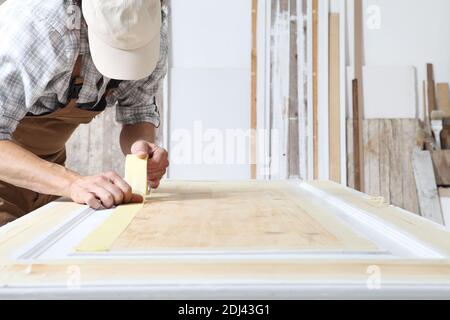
{"points": [[76, 83]]}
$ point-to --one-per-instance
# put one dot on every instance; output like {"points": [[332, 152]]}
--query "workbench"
{"points": [[238, 240]]}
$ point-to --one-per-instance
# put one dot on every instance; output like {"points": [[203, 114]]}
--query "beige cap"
{"points": [[124, 36]]}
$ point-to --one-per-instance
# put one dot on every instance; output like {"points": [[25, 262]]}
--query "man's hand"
{"points": [[105, 190], [157, 160]]}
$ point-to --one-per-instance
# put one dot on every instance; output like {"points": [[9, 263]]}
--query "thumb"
{"points": [[140, 149]]}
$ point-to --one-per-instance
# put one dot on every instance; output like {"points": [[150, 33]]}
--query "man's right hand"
{"points": [[105, 190]]}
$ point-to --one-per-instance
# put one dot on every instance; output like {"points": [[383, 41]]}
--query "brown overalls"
{"points": [[46, 137]]}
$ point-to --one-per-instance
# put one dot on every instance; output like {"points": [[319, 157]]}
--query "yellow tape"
{"points": [[136, 174], [101, 239]]}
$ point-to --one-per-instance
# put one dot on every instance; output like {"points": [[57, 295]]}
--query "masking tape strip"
{"points": [[136, 174], [101, 239]]}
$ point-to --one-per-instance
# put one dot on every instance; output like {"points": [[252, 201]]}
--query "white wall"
{"points": [[411, 33], [209, 88]]}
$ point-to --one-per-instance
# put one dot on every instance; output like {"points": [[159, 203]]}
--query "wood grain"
{"points": [[358, 86], [441, 165], [49, 278], [430, 206], [443, 98], [334, 99], [388, 146], [293, 127], [236, 216], [358, 155], [431, 90]]}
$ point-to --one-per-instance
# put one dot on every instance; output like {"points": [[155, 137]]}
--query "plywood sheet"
{"points": [[236, 216]]}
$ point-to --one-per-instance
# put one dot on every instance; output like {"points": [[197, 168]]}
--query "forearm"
{"points": [[22, 168], [136, 132]]}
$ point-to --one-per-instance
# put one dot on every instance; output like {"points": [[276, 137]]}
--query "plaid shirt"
{"points": [[38, 51]]}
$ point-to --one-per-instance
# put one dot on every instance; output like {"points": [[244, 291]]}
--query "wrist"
{"points": [[68, 178]]}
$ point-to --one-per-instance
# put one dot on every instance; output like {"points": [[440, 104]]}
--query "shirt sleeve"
{"points": [[27, 52], [136, 102]]}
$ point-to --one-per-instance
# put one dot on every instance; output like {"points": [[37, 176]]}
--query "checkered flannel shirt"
{"points": [[39, 45]]}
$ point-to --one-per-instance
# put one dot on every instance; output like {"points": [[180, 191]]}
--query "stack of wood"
{"points": [[406, 161], [432, 161]]}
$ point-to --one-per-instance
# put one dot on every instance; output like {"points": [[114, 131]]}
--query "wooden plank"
{"points": [[334, 99], [388, 145], [254, 90], [430, 206], [293, 137], [147, 275], [358, 98], [366, 154], [350, 155], [443, 98], [385, 156], [315, 124], [441, 165], [408, 143], [431, 90], [358, 155], [373, 149], [396, 169], [444, 194], [203, 216], [445, 137], [279, 86]]}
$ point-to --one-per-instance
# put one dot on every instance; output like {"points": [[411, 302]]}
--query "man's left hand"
{"points": [[158, 160]]}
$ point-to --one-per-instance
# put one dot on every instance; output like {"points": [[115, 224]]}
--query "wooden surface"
{"points": [[427, 191], [431, 89], [357, 140], [294, 105], [388, 146], [443, 98], [130, 276], [334, 100], [236, 216], [425, 230], [280, 70], [358, 96], [441, 165]]}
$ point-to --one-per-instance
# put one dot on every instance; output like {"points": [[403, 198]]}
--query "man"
{"points": [[56, 74]]}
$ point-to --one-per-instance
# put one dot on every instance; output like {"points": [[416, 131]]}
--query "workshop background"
{"points": [[266, 90]]}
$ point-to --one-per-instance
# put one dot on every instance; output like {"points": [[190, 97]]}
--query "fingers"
{"points": [[142, 149], [106, 197], [157, 167], [102, 191], [92, 201], [136, 198], [159, 160], [122, 185], [155, 183], [156, 175]]}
